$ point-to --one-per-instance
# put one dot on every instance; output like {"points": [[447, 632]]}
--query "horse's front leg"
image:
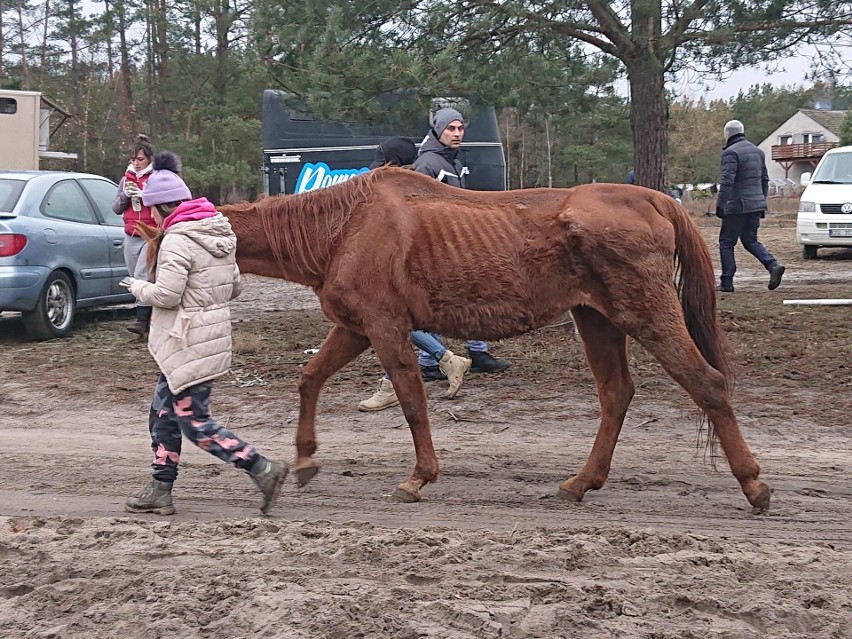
{"points": [[393, 347], [340, 347]]}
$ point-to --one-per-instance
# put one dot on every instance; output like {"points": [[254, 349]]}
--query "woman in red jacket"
{"points": [[128, 204]]}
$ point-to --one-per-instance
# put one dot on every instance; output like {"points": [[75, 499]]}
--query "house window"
{"points": [[785, 139], [811, 138]]}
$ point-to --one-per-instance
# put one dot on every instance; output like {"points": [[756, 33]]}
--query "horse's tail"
{"points": [[696, 286]]}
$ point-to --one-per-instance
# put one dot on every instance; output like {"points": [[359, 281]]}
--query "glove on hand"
{"points": [[132, 190]]}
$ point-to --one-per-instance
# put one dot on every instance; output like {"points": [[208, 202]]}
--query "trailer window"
{"points": [[8, 106]]}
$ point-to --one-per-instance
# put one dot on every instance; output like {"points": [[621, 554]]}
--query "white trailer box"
{"points": [[20, 120], [25, 130]]}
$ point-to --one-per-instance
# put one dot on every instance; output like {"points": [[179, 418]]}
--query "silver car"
{"points": [[60, 248]]}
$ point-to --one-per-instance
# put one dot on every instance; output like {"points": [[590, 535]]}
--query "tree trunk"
{"points": [[223, 18], [24, 68], [128, 116], [161, 50], [649, 113], [649, 117], [108, 22], [75, 56], [44, 45]]}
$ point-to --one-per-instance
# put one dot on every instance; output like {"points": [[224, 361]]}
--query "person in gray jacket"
{"points": [[741, 204], [438, 158]]}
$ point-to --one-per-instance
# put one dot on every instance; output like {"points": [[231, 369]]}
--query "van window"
{"points": [[8, 106], [835, 168]]}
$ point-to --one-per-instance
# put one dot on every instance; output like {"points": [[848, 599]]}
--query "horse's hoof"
{"points": [[407, 493], [568, 495], [759, 499], [305, 472]]}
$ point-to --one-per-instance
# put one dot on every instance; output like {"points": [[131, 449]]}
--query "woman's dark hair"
{"points": [[142, 143]]}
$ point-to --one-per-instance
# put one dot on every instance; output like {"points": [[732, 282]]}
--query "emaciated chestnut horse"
{"points": [[392, 251]]}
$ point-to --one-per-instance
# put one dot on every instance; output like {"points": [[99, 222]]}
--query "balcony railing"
{"points": [[801, 151]]}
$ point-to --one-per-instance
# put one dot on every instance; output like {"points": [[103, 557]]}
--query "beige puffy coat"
{"points": [[197, 277]]}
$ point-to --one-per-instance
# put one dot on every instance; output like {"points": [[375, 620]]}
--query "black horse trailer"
{"points": [[301, 153]]}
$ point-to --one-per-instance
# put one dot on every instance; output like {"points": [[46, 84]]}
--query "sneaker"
{"points": [[268, 477], [432, 373], [383, 398], [485, 362], [725, 288], [454, 367], [775, 274], [155, 498]]}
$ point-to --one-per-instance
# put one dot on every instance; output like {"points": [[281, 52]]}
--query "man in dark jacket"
{"points": [[741, 204], [438, 158]]}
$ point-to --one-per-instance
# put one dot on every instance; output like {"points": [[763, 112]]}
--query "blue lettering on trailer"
{"points": [[318, 175]]}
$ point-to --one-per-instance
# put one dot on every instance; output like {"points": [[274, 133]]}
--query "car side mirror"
{"points": [[805, 179]]}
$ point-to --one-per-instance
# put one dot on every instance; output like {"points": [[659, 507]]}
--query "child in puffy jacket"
{"points": [[190, 338]]}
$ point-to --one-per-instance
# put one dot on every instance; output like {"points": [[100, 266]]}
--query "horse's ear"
{"points": [[146, 231]]}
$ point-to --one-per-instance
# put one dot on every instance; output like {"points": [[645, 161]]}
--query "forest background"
{"points": [[191, 73]]}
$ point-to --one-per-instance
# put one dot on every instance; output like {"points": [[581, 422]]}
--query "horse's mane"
{"points": [[306, 227]]}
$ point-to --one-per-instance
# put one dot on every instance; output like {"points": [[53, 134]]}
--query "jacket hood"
{"points": [[396, 151], [203, 224], [431, 144]]}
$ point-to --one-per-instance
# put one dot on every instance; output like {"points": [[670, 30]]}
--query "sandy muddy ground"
{"points": [[667, 549]]}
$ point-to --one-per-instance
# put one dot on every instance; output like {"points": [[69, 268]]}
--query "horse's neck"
{"points": [[256, 255]]}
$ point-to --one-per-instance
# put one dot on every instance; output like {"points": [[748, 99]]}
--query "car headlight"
{"points": [[807, 207]]}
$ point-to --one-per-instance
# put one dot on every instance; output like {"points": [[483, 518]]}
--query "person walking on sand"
{"points": [[741, 204], [400, 151], [195, 278]]}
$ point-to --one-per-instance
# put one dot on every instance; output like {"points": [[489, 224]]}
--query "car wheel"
{"points": [[809, 251], [54, 312]]}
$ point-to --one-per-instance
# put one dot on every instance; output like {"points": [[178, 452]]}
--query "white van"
{"points": [[825, 208]]}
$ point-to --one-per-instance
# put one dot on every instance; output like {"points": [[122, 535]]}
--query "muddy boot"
{"points": [[775, 274], [383, 398], [143, 321], [454, 367], [155, 498], [268, 477], [485, 362]]}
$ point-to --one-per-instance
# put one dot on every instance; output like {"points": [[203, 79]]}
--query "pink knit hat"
{"points": [[165, 184]]}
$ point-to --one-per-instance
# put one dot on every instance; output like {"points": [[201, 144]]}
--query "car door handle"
{"points": [[117, 242]]}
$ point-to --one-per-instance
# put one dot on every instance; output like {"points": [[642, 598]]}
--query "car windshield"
{"points": [[10, 191], [835, 168]]}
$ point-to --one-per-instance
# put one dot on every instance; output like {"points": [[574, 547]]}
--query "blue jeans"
{"points": [[428, 358], [742, 227], [429, 347]]}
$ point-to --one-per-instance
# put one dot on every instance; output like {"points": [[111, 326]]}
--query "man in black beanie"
{"points": [[741, 204], [438, 158]]}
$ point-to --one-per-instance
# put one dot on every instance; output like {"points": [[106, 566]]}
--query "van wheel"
{"points": [[809, 251], [54, 312]]}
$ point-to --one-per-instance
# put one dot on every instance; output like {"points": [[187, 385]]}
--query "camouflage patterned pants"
{"points": [[188, 412]]}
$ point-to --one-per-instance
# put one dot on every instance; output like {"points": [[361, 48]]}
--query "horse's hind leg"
{"points": [[340, 347], [606, 352], [666, 338]]}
